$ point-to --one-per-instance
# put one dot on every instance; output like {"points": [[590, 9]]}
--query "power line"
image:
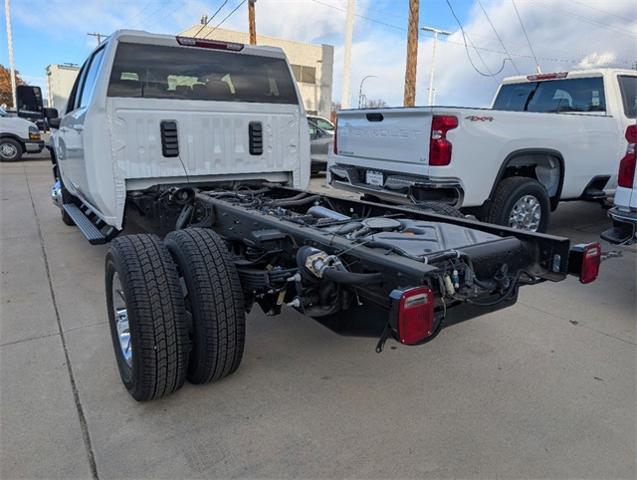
{"points": [[144, 21], [537, 65], [600, 10], [225, 18], [587, 20], [498, 37], [211, 18], [481, 49], [139, 12], [465, 36]]}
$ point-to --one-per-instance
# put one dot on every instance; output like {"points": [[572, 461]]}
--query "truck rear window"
{"points": [[553, 96], [628, 87], [154, 71]]}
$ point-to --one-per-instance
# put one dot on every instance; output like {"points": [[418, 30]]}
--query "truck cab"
{"points": [[147, 110]]}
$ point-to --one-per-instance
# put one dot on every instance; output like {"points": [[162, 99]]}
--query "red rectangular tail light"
{"points": [[626, 175], [413, 314], [584, 260], [439, 146]]}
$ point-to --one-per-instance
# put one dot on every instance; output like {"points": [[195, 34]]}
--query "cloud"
{"points": [[579, 36], [565, 36]]}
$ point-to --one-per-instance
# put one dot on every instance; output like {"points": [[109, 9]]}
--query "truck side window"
{"points": [[73, 96], [628, 87], [574, 95], [91, 76], [513, 97]]}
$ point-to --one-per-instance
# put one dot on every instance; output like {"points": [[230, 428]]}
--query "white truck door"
{"points": [[74, 125]]}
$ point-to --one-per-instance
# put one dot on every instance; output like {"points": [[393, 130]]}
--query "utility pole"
{"points": [[251, 21], [98, 37], [412, 55], [436, 32], [7, 13], [349, 30]]}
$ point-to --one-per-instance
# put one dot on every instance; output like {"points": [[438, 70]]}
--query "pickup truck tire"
{"points": [[214, 300], [520, 202], [10, 150], [147, 316], [439, 208]]}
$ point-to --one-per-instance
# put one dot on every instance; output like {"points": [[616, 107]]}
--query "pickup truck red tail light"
{"points": [[626, 175], [439, 146], [414, 311], [584, 259]]}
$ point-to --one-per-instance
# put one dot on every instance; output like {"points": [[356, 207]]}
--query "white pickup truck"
{"points": [[206, 144], [17, 136], [546, 138]]}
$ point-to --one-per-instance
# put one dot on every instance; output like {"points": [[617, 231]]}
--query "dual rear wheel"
{"points": [[176, 311]]}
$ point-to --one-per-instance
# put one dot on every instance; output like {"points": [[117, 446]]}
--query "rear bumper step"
{"points": [[93, 229]]}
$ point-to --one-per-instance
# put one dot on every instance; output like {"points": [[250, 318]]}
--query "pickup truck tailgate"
{"points": [[391, 135]]}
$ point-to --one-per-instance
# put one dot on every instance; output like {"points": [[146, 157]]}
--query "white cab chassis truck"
{"points": [[547, 138], [204, 146]]}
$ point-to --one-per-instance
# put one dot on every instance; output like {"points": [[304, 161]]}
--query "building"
{"points": [[59, 80], [312, 65]]}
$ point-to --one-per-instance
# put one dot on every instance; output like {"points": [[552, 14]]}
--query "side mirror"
{"points": [[30, 104], [54, 122]]}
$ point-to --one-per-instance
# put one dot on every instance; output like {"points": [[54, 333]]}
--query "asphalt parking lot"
{"points": [[546, 389]]}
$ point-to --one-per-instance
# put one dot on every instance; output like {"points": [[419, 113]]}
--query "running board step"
{"points": [[93, 234]]}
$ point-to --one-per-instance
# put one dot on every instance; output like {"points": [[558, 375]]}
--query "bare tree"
{"points": [[375, 103]]}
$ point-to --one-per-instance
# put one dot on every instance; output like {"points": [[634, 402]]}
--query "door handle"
{"points": [[79, 128]]}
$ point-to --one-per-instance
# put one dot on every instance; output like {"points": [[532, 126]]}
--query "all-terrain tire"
{"points": [[156, 315], [215, 301], [509, 192], [440, 208], [10, 150]]}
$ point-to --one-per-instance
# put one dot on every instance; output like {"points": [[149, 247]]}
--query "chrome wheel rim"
{"points": [[8, 150], [122, 325], [526, 214]]}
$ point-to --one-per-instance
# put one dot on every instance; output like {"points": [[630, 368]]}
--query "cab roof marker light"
{"points": [[546, 76], [213, 44]]}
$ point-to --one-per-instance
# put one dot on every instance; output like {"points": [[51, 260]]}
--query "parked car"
{"points": [[624, 211], [320, 144], [17, 136], [546, 139], [322, 123], [217, 165]]}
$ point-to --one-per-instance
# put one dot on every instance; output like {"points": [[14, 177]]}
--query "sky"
{"points": [[563, 34]]}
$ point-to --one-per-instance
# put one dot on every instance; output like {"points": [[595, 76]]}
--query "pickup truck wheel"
{"points": [[439, 208], [147, 316], [10, 150], [214, 300], [522, 203]]}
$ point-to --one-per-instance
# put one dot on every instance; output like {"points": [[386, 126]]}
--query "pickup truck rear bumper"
{"points": [[624, 229], [398, 187]]}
